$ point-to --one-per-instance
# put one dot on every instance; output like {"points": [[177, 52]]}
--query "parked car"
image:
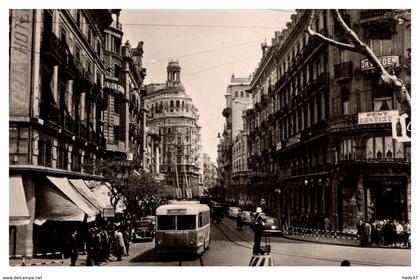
{"points": [[246, 217], [234, 211], [144, 229], [272, 226]]}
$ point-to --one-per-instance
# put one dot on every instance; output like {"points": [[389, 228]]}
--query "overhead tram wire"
{"points": [[189, 25], [201, 52], [220, 65]]}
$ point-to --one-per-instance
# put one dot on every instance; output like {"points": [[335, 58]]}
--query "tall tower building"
{"points": [[172, 111]]}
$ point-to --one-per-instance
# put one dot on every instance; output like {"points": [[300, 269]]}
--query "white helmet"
{"points": [[259, 210]]}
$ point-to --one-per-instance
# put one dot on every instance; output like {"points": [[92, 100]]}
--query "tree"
{"points": [[356, 45], [134, 188]]}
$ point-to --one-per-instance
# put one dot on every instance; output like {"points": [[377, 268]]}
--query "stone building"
{"points": [[55, 122], [309, 143], [75, 101], [238, 99], [172, 111]]}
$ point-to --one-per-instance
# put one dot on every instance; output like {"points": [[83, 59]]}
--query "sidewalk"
{"points": [[321, 236], [327, 237], [53, 261]]}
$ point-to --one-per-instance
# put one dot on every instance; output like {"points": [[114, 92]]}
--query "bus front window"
{"points": [[166, 222], [186, 222]]}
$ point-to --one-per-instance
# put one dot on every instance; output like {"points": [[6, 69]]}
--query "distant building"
{"points": [[172, 111], [238, 99]]}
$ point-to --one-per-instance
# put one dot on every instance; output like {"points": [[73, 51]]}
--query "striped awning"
{"points": [[18, 208]]}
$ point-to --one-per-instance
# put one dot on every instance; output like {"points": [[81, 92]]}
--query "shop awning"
{"points": [[18, 209], [84, 190], [60, 201], [103, 193]]}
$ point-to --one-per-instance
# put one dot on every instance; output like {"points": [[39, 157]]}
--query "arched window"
{"points": [[236, 94], [242, 93]]}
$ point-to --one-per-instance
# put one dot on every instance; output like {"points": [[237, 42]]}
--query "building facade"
{"points": [[306, 144], [238, 99], [75, 102], [172, 111], [55, 119]]}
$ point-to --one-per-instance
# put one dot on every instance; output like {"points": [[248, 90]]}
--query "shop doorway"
{"points": [[389, 198]]}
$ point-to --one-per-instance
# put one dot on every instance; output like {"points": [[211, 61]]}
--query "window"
{"points": [[44, 148], [166, 222], [381, 46], [242, 94], [384, 147], [186, 222], [62, 156], [345, 96], [117, 71], [382, 97]]}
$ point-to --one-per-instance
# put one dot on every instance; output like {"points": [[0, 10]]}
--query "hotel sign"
{"points": [[20, 61], [377, 117], [387, 60]]}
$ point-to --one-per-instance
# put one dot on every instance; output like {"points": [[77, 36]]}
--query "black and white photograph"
{"points": [[224, 138]]}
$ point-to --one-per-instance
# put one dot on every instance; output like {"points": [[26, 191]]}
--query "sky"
{"points": [[210, 46]]}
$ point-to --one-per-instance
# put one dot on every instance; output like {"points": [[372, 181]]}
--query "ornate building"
{"points": [[172, 112], [307, 144]]}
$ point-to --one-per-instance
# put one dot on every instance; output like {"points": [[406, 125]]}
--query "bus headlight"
{"points": [[159, 242], [192, 241]]}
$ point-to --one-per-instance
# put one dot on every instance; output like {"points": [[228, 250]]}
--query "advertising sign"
{"points": [[377, 117], [387, 60], [20, 61]]}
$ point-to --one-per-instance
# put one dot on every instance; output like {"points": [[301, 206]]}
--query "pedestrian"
{"points": [[407, 234], [74, 248], [89, 246], [126, 237], [258, 227], [359, 233], [345, 263], [119, 244], [104, 245], [97, 247], [399, 233], [239, 222], [379, 233]]}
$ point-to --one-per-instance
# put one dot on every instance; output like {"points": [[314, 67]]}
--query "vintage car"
{"points": [[272, 226], [234, 211], [246, 217], [144, 229]]}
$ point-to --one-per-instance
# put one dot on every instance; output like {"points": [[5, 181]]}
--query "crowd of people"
{"points": [[384, 233], [99, 242]]}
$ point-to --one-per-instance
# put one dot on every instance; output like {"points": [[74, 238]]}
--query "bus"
{"points": [[182, 227]]}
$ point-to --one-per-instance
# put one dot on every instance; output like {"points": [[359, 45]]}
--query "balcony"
{"points": [[102, 101], [69, 71], [53, 116], [82, 131], [372, 13], [69, 125], [227, 112], [343, 70], [94, 94], [52, 50]]}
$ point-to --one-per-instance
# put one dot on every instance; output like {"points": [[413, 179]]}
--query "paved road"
{"points": [[231, 247]]}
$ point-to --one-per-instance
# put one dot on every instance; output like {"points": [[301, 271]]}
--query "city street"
{"points": [[230, 247]]}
